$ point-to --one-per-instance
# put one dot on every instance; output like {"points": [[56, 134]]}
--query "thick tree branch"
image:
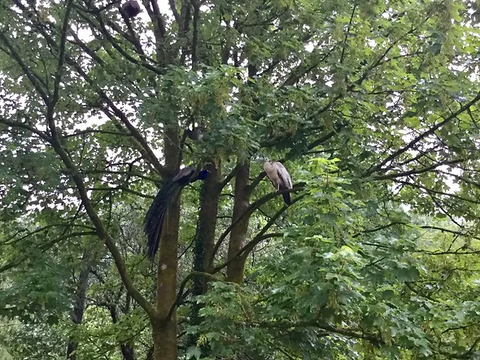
{"points": [[157, 17], [35, 131], [36, 81], [44, 247], [243, 252], [61, 54], [418, 171], [13, 239], [347, 33], [437, 191], [249, 211], [103, 29], [326, 137], [375, 339], [182, 288], [382, 227], [228, 178], [97, 222], [147, 151], [422, 136], [95, 131], [102, 232], [175, 13], [130, 37], [196, 24], [425, 227], [304, 68], [86, 49], [379, 61]]}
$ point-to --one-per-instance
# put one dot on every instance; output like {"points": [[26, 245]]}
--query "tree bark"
{"points": [[164, 324], [207, 223], [164, 327], [235, 270], [79, 305], [205, 238], [128, 352], [165, 330]]}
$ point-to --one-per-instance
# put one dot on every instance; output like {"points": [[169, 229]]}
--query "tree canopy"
{"points": [[371, 106]]}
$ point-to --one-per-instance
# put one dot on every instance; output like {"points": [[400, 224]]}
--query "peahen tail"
{"points": [[155, 217]]}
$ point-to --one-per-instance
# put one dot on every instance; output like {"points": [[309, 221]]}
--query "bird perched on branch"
{"points": [[195, 134], [280, 178], [130, 8], [156, 213]]}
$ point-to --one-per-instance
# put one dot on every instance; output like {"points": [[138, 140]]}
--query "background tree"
{"points": [[371, 106]]}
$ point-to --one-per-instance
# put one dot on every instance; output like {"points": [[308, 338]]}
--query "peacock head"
{"points": [[203, 174]]}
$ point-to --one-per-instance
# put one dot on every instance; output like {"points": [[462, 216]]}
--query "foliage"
{"points": [[373, 108]]}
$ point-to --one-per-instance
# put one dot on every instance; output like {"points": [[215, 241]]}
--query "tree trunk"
{"points": [[128, 352], [79, 305], [127, 349], [149, 354], [206, 226], [235, 270], [205, 238], [164, 330]]}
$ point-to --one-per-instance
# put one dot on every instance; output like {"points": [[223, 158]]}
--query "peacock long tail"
{"points": [[155, 217]]}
